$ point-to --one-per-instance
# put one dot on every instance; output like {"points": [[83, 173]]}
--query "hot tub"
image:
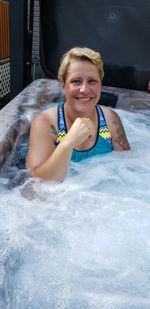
{"points": [[83, 242]]}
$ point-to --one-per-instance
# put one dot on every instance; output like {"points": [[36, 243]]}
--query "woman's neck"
{"points": [[71, 115]]}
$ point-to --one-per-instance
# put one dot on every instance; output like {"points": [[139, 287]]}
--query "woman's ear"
{"points": [[63, 87], [63, 90], [62, 84]]}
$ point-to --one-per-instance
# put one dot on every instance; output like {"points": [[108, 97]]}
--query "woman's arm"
{"points": [[44, 159], [47, 161], [119, 139]]}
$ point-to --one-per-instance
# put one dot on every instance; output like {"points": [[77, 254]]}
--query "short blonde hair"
{"points": [[80, 53]]}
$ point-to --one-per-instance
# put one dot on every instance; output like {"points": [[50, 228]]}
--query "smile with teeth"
{"points": [[84, 99]]}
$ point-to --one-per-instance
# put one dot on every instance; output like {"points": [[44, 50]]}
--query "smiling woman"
{"points": [[78, 128], [82, 88]]}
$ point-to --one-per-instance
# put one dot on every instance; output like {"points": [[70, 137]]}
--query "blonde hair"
{"points": [[80, 53]]}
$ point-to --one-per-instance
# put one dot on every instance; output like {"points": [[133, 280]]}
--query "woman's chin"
{"points": [[84, 107]]}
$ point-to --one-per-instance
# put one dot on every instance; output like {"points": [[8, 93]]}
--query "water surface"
{"points": [[84, 242]]}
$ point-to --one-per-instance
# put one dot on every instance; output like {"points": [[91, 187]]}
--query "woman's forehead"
{"points": [[82, 67]]}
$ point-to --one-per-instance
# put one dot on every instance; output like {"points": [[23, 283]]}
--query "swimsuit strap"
{"points": [[103, 129], [61, 123], [102, 126]]}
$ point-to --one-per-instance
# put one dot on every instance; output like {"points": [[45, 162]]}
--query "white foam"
{"points": [[82, 243]]}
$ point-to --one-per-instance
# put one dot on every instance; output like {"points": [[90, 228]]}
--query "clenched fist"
{"points": [[81, 129]]}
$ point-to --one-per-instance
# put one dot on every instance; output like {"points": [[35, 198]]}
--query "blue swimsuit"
{"points": [[102, 144]]}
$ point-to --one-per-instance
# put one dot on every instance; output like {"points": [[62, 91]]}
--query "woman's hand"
{"points": [[44, 159], [81, 129]]}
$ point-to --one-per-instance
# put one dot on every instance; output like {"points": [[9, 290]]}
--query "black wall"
{"points": [[118, 29], [18, 39]]}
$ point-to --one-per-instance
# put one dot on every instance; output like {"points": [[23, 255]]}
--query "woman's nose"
{"points": [[84, 88]]}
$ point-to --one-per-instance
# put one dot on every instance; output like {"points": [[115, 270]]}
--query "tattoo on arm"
{"points": [[53, 129], [120, 136]]}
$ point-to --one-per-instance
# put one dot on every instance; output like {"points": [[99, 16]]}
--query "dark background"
{"points": [[118, 29], [18, 44]]}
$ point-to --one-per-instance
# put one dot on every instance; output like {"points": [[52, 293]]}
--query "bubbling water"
{"points": [[84, 242]]}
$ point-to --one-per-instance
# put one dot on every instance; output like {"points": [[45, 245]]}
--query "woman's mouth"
{"points": [[83, 99]]}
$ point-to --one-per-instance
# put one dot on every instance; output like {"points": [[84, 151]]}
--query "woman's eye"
{"points": [[92, 81], [76, 82]]}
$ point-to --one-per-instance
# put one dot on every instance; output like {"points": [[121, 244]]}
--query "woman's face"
{"points": [[82, 87]]}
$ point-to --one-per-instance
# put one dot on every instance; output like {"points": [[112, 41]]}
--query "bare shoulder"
{"points": [[110, 115], [44, 127], [46, 117], [116, 128], [42, 137]]}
